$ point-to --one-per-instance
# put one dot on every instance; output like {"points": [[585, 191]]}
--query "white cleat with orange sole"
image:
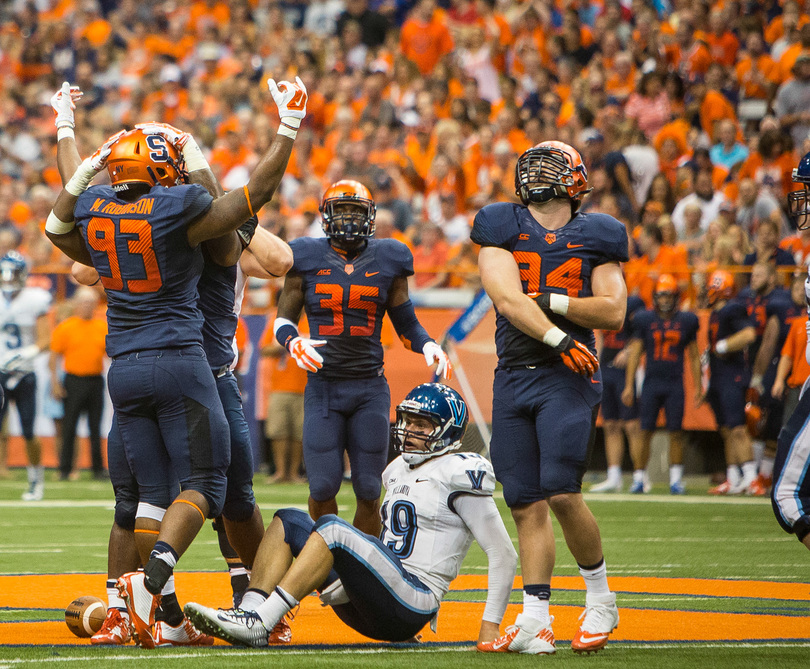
{"points": [[599, 619], [521, 638], [141, 606]]}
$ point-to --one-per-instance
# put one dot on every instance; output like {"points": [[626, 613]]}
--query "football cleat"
{"points": [[599, 619], [607, 486], [640, 488], [35, 492], [280, 634], [114, 631], [185, 634], [518, 640], [141, 606], [742, 487], [759, 486], [723, 489], [677, 489], [238, 627]]}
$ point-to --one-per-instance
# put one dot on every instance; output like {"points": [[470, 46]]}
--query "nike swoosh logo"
{"points": [[371, 273], [500, 643], [591, 639], [595, 381], [421, 480], [574, 246]]}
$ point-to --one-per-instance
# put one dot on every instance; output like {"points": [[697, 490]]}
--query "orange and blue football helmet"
{"points": [[352, 223], [799, 200], [666, 293], [720, 286], [137, 158], [549, 170]]}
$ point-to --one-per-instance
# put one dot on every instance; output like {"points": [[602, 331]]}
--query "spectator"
{"points": [[792, 104], [728, 152], [430, 258], [766, 247], [425, 38], [78, 344], [756, 205], [373, 25], [704, 196]]}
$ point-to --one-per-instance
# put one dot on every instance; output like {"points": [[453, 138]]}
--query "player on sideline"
{"points": [[346, 283], [553, 275], [24, 332], [436, 502], [616, 417], [665, 334], [143, 236], [731, 331], [790, 495]]}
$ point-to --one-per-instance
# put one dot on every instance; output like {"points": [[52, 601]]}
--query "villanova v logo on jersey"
{"points": [[476, 478]]}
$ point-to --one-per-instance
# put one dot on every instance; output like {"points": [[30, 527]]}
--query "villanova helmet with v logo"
{"points": [[445, 408]]}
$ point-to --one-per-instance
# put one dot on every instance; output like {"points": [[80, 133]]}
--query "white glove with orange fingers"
{"points": [[182, 141], [434, 354], [291, 100], [302, 350], [86, 172], [63, 103]]}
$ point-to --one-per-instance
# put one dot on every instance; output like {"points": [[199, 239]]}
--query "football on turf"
{"points": [[85, 615]]}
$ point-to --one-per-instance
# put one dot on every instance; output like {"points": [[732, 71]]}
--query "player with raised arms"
{"points": [[346, 283], [437, 501], [554, 275], [143, 236]]}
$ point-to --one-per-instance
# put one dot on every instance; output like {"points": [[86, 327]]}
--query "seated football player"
{"points": [[437, 501]]}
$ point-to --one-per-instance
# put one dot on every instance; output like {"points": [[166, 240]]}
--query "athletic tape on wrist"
{"points": [[65, 131], [81, 178], [193, 155], [553, 337], [57, 226]]}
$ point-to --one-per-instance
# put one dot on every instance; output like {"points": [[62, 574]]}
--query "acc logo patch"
{"points": [[523, 236], [550, 238], [324, 272]]}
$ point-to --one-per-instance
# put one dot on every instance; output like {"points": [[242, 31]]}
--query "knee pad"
{"points": [[297, 528], [125, 510], [366, 487], [801, 527], [322, 488], [212, 488], [241, 509]]}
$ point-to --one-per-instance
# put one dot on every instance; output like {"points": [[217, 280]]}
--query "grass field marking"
{"points": [[676, 499]]}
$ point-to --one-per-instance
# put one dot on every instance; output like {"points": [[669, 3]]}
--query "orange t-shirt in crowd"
{"points": [[283, 373], [794, 346], [82, 343], [425, 43], [799, 247]]}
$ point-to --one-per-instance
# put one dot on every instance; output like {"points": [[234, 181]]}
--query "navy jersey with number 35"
{"points": [[148, 270], [550, 261], [345, 301]]}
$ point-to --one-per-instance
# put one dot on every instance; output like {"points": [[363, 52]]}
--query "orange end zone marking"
{"points": [[458, 621]]}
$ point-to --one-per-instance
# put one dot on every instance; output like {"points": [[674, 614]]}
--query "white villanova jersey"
{"points": [[419, 523], [18, 322]]}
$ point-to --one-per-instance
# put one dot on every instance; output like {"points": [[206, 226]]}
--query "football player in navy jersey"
{"points": [[780, 314], [437, 500], [666, 335], [790, 495], [731, 331], [553, 275], [143, 236], [346, 283], [616, 417]]}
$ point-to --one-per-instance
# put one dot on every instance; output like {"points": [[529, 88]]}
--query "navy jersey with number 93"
{"points": [[148, 270]]}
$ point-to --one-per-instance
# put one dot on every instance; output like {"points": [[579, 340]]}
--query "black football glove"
{"points": [[247, 230]]}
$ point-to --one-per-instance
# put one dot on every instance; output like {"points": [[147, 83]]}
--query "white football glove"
{"points": [[291, 100], [303, 352], [18, 358], [434, 354], [63, 103], [98, 161], [173, 135]]}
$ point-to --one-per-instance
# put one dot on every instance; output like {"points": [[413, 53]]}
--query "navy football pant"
{"points": [[666, 393], [542, 429], [23, 390], [386, 601], [166, 403], [346, 415], [239, 499], [612, 386]]}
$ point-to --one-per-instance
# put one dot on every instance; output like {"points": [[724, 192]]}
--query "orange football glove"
{"points": [[303, 352], [577, 357]]}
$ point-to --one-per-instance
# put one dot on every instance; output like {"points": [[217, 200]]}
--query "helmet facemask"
{"points": [[349, 220], [545, 173], [799, 206], [418, 446]]}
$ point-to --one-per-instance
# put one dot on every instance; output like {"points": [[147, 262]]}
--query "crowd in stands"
{"points": [[690, 117]]}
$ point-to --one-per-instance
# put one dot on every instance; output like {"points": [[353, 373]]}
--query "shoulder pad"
{"points": [[468, 473], [496, 225]]}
